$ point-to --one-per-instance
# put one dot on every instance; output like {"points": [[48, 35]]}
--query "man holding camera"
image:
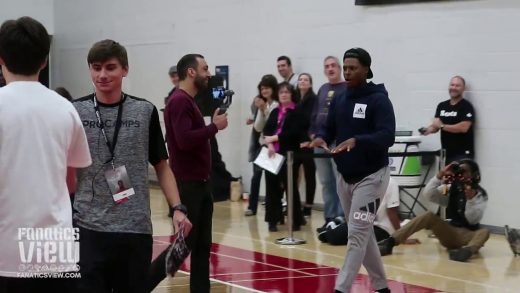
{"points": [[189, 146], [457, 188], [454, 119]]}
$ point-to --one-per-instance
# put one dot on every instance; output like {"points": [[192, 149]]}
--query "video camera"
{"points": [[458, 173], [214, 97], [224, 97]]}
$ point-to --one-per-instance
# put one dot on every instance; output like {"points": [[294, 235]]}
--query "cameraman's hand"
{"points": [[469, 192], [249, 121], [445, 172], [220, 121]]}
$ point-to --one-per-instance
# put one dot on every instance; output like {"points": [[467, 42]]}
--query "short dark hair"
{"points": [[286, 85], [107, 49], [24, 45], [461, 79], [64, 93], [270, 81], [282, 58], [187, 61]]}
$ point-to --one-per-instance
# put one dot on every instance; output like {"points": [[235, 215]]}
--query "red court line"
{"points": [[270, 273]]}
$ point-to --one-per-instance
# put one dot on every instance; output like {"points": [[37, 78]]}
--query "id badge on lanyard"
{"points": [[116, 177]]}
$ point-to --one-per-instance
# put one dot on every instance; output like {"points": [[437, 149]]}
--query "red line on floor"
{"points": [[270, 273]]}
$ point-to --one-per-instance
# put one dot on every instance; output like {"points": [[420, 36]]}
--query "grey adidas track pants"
{"points": [[360, 202]]}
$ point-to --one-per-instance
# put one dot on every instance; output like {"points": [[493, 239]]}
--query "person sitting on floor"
{"points": [[457, 188]]}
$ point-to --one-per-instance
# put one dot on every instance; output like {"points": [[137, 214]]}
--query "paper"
{"points": [[273, 164]]}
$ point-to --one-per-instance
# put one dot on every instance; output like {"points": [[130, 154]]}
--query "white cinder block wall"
{"points": [[416, 49], [42, 10]]}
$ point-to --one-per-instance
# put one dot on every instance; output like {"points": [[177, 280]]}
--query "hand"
{"points": [[260, 103], [271, 139], [178, 218], [412, 241], [305, 145], [427, 131], [469, 192], [271, 151], [249, 121], [347, 145], [446, 172], [319, 143], [220, 121]]}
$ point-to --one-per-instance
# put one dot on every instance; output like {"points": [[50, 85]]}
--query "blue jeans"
{"points": [[327, 174], [255, 188]]}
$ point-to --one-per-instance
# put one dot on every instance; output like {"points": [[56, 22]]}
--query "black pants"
{"points": [[309, 171], [114, 262], [196, 196], [25, 285], [255, 188], [274, 191]]}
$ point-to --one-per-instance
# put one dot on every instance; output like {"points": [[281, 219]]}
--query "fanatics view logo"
{"points": [[360, 111], [46, 251], [449, 114]]}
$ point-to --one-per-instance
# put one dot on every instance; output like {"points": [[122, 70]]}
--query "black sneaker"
{"points": [[386, 246], [339, 220], [322, 236], [324, 227], [272, 227], [461, 254], [307, 211]]}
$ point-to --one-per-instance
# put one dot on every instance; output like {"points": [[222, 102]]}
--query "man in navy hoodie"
{"points": [[362, 123]]}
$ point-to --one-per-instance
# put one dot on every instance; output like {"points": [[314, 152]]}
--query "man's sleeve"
{"points": [[156, 146], [78, 154], [384, 121], [392, 192], [468, 113]]}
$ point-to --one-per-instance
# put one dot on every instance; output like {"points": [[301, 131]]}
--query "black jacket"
{"points": [[306, 105], [294, 129]]}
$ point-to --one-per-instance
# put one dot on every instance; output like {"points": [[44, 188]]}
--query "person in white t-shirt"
{"points": [[40, 136]]}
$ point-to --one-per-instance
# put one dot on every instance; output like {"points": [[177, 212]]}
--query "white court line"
{"points": [[225, 283], [259, 262], [295, 277], [386, 265]]}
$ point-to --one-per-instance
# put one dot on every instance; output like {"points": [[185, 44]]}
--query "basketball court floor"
{"points": [[244, 258]]}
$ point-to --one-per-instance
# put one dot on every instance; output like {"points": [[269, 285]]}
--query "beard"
{"points": [[201, 83]]}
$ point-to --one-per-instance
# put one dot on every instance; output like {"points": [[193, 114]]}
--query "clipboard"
{"points": [[273, 164]]}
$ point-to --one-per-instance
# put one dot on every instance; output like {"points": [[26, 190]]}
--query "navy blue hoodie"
{"points": [[365, 113]]}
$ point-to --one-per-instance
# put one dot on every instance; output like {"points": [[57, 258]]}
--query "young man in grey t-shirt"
{"points": [[124, 135]]}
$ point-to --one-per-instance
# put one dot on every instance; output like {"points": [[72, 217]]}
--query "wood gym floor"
{"points": [[245, 258]]}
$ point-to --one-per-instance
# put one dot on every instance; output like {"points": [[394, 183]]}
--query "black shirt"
{"points": [[457, 144]]}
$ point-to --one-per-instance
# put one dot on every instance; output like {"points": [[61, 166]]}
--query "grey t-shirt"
{"points": [[140, 141]]}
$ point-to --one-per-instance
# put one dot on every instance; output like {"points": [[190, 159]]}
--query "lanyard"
{"points": [[111, 146]]}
